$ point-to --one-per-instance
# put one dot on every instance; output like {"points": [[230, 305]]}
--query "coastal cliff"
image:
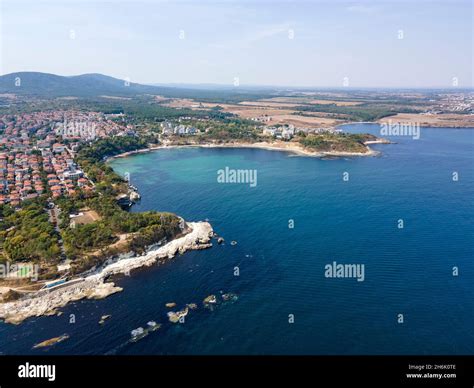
{"points": [[95, 286]]}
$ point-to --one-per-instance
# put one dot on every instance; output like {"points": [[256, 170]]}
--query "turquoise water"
{"points": [[408, 271]]}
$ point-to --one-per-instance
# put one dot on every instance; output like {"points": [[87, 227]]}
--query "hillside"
{"points": [[91, 85], [51, 85]]}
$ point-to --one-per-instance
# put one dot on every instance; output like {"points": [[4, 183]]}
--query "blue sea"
{"points": [[410, 302]]}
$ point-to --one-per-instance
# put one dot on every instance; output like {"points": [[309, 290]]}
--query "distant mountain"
{"points": [[44, 84], [93, 85]]}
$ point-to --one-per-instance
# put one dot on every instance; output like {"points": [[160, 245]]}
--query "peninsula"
{"points": [[65, 224]]}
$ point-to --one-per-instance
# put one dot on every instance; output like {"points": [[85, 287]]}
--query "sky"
{"points": [[280, 43]]}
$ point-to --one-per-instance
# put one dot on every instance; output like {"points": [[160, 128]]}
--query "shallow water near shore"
{"points": [[407, 271]]}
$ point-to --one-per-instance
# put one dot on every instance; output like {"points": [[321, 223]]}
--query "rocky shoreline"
{"points": [[95, 285], [293, 148]]}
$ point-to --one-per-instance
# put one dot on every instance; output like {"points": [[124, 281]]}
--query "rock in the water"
{"points": [[152, 325], [103, 318], [170, 305], [192, 306], [229, 297], [175, 317], [51, 341], [103, 290], [220, 240], [211, 299], [138, 334]]}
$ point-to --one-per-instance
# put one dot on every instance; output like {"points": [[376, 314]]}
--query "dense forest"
{"points": [[363, 112], [144, 228], [27, 234], [337, 142], [223, 129]]}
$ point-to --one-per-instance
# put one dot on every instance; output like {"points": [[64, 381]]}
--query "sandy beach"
{"points": [[293, 148]]}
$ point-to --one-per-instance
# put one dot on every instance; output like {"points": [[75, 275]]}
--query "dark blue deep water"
{"points": [[408, 271]]}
